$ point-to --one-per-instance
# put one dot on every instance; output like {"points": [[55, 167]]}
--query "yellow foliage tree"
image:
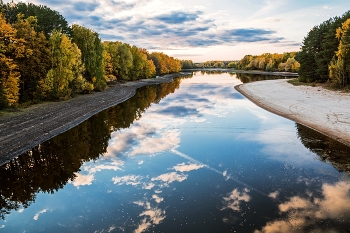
{"points": [[339, 68], [65, 76], [11, 48]]}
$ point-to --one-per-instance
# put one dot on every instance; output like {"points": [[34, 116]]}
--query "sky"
{"points": [[201, 30]]}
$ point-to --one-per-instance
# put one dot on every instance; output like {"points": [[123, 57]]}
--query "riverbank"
{"points": [[23, 130], [325, 111]]}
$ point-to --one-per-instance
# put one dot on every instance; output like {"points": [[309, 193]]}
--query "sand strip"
{"points": [[325, 111], [30, 127]]}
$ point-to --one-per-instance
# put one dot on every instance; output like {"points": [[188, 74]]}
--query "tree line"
{"points": [[189, 64], [325, 53], [285, 62], [43, 58]]}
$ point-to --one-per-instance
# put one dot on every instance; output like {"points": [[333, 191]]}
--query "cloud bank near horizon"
{"points": [[201, 29], [163, 28]]}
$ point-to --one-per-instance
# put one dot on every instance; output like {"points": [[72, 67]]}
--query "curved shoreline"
{"points": [[317, 108], [39, 123]]}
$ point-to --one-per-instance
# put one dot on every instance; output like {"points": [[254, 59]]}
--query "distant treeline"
{"points": [[43, 58], [270, 62], [265, 62], [189, 64], [325, 52]]}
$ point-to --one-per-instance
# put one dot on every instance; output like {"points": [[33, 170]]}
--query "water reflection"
{"points": [[247, 78], [328, 211], [51, 165], [326, 148], [204, 159]]}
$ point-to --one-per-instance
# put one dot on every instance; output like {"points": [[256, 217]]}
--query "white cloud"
{"points": [[127, 180], [274, 195], [36, 217], [140, 162], [91, 169], [170, 178], [157, 198], [187, 167], [153, 145], [135, 22], [152, 216], [148, 186], [234, 199], [81, 180]]}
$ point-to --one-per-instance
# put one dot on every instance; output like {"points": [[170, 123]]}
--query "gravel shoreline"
{"points": [[22, 131], [327, 112]]}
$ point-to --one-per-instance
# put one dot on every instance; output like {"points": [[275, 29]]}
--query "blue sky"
{"points": [[202, 30]]}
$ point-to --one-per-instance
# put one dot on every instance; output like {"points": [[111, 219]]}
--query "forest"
{"points": [[43, 58], [325, 55]]}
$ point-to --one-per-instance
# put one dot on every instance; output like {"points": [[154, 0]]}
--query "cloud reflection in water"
{"points": [[234, 199], [332, 208]]}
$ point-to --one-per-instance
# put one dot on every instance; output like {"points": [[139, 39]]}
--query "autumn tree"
{"points": [[270, 62], [339, 69], [149, 70], [119, 60], [187, 64], [48, 19], [219, 64], [124, 61], [139, 62], [232, 65], [318, 49], [91, 49], [111, 60], [36, 62], [65, 76], [11, 48], [108, 66], [165, 64]]}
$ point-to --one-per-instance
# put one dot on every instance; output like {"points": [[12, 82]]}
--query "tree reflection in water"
{"points": [[320, 210], [51, 165], [328, 149], [247, 78]]}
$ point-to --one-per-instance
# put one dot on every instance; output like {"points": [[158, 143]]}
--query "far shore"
{"points": [[259, 72], [327, 112], [23, 130]]}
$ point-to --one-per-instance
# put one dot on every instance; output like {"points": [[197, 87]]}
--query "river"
{"points": [[193, 155]]}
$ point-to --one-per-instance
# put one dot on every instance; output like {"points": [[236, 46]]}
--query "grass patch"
{"points": [[9, 111], [296, 82]]}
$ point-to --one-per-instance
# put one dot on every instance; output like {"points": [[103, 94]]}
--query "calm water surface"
{"points": [[189, 156]]}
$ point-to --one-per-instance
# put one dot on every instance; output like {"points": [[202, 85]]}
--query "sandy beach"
{"points": [[320, 109]]}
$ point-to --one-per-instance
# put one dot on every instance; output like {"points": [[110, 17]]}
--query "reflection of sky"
{"points": [[204, 158], [306, 212]]}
